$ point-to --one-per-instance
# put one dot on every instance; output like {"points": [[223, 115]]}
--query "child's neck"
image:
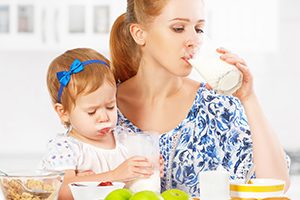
{"points": [[106, 142]]}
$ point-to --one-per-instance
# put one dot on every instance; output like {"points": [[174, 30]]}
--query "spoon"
{"points": [[35, 192], [2, 172], [250, 174], [43, 194]]}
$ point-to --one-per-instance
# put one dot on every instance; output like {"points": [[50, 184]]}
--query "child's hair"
{"points": [[84, 82]]}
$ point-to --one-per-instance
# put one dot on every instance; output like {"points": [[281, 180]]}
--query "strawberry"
{"points": [[105, 183]]}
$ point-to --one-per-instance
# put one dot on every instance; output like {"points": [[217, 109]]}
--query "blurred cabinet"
{"points": [[57, 24]]}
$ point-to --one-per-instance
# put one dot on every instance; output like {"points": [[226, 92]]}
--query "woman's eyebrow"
{"points": [[186, 20]]}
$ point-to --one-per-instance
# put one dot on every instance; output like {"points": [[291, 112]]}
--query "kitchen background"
{"points": [[32, 32]]}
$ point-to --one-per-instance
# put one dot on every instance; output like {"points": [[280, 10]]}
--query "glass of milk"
{"points": [[214, 185], [221, 76], [143, 144]]}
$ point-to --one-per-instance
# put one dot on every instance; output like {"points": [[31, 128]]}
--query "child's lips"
{"points": [[104, 131]]}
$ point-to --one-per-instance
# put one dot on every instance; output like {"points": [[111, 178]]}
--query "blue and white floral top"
{"points": [[215, 132]]}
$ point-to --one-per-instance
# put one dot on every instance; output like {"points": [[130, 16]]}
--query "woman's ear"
{"points": [[62, 113], [138, 34]]}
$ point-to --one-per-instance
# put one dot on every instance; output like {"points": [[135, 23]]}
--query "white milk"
{"points": [[144, 144], [214, 185], [152, 183], [221, 76]]}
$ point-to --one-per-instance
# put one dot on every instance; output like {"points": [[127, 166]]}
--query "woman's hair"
{"points": [[84, 82], [125, 53]]}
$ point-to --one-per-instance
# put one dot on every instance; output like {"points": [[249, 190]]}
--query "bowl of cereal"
{"points": [[35, 184], [92, 190]]}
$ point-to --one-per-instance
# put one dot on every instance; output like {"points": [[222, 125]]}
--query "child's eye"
{"points": [[110, 107], [92, 112]]}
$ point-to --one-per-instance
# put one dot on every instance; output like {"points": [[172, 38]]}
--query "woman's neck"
{"points": [[157, 84]]}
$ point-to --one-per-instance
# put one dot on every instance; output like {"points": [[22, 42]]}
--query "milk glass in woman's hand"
{"points": [[143, 144], [221, 76]]}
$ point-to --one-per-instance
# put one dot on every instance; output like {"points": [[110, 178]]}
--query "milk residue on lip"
{"points": [[221, 76]]}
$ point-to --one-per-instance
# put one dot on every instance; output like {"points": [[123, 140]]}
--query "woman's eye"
{"points": [[178, 29], [199, 30]]}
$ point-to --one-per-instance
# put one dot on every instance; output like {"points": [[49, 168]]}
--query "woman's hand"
{"points": [[246, 89], [132, 168]]}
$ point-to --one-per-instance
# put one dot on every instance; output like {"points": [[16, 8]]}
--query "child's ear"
{"points": [[62, 113], [138, 34]]}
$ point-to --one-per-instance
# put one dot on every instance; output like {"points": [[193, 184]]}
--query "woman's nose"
{"points": [[192, 42]]}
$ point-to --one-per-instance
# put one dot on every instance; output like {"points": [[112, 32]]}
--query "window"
{"points": [[4, 19], [76, 19], [25, 18], [101, 19]]}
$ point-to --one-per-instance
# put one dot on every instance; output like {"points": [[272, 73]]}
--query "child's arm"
{"points": [[130, 169]]}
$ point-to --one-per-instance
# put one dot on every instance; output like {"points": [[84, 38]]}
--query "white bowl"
{"points": [[258, 188], [91, 190]]}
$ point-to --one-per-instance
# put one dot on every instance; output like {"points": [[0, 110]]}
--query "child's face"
{"points": [[95, 114]]}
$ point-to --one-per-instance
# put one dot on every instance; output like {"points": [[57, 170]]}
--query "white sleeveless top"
{"points": [[67, 153]]}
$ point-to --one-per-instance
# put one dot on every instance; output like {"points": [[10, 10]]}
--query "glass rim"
{"points": [[31, 174]]}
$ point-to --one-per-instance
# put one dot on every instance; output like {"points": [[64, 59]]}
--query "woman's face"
{"points": [[175, 35]]}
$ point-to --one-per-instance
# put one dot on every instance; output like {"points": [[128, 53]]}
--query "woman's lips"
{"points": [[186, 60]]}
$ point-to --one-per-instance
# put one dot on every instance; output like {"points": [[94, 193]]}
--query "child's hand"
{"points": [[161, 166], [132, 168], [85, 173]]}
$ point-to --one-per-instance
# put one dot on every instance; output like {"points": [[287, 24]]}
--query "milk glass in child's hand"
{"points": [[221, 76], [143, 144]]}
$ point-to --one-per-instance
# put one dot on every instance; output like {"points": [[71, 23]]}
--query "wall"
{"points": [[27, 119]]}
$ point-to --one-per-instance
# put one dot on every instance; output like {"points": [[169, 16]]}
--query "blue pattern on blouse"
{"points": [[215, 132]]}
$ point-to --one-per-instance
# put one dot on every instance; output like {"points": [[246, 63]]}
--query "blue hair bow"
{"points": [[77, 66]]}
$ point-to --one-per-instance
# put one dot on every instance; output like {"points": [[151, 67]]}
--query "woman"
{"points": [[199, 130]]}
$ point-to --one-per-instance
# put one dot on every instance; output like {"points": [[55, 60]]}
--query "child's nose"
{"points": [[102, 117]]}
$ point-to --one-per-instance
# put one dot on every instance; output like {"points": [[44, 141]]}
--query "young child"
{"points": [[83, 92]]}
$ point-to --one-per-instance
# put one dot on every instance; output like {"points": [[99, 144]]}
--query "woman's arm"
{"points": [[268, 154]]}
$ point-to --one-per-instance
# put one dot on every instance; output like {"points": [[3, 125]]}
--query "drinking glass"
{"points": [[143, 144]]}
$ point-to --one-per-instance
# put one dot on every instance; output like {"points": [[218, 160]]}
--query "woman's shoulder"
{"points": [[207, 96], [207, 101]]}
